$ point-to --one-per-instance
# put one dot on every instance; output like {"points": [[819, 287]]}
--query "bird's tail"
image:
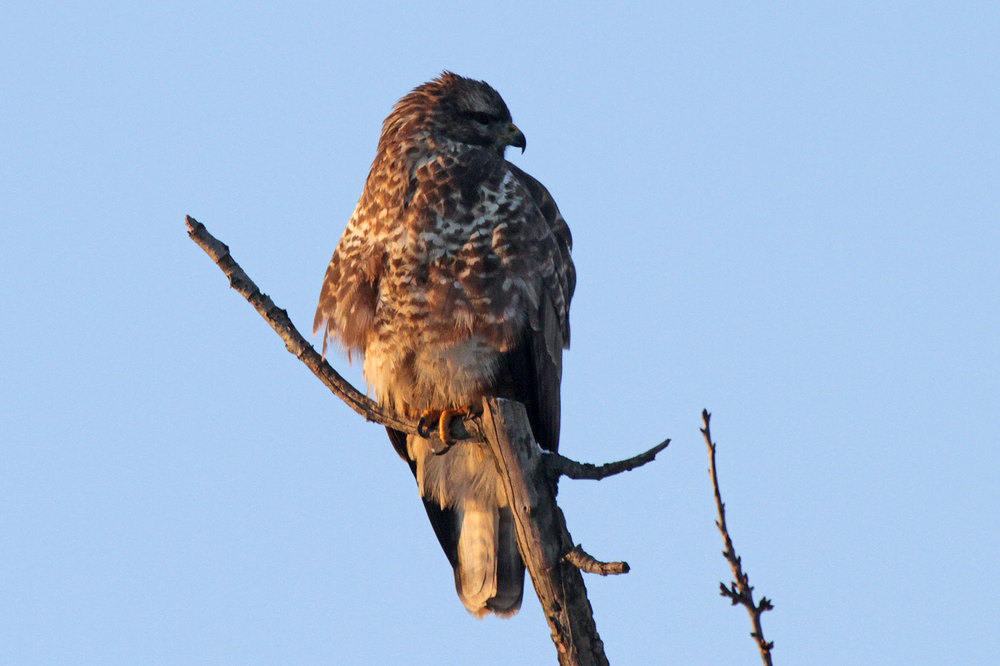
{"points": [[510, 569], [489, 574]]}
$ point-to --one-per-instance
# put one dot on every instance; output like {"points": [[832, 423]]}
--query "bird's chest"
{"points": [[442, 278], [446, 310], [437, 339]]}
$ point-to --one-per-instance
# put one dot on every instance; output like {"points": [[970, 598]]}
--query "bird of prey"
{"points": [[453, 279]]}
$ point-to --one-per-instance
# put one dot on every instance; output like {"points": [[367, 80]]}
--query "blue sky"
{"points": [[784, 213]]}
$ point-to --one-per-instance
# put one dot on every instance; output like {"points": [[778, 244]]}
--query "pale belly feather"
{"points": [[434, 376]]}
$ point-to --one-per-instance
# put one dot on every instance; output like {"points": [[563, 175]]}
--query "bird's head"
{"points": [[471, 112]]}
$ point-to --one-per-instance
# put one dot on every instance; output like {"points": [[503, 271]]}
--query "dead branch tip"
{"points": [[586, 563], [559, 465]]}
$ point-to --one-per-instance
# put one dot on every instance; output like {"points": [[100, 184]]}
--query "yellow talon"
{"points": [[427, 417], [444, 422], [444, 419]]}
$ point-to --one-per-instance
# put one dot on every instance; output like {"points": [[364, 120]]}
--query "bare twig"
{"points": [[559, 465], [585, 562], [739, 591]]}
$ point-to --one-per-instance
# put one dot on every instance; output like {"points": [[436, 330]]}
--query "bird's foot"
{"points": [[444, 422], [427, 417], [443, 419]]}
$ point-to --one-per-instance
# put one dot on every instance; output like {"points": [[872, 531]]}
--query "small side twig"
{"points": [[559, 465], [739, 591], [587, 563]]}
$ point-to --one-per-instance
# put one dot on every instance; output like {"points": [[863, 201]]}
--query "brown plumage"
{"points": [[454, 279]]}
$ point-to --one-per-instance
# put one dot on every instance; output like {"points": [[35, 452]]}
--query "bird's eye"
{"points": [[479, 117]]}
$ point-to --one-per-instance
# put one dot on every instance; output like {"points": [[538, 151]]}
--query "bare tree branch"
{"points": [[462, 428], [739, 591], [542, 536], [529, 475]]}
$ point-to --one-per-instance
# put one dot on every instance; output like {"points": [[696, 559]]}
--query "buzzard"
{"points": [[454, 279]]}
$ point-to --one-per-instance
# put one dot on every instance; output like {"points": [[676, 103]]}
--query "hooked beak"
{"points": [[515, 137]]}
